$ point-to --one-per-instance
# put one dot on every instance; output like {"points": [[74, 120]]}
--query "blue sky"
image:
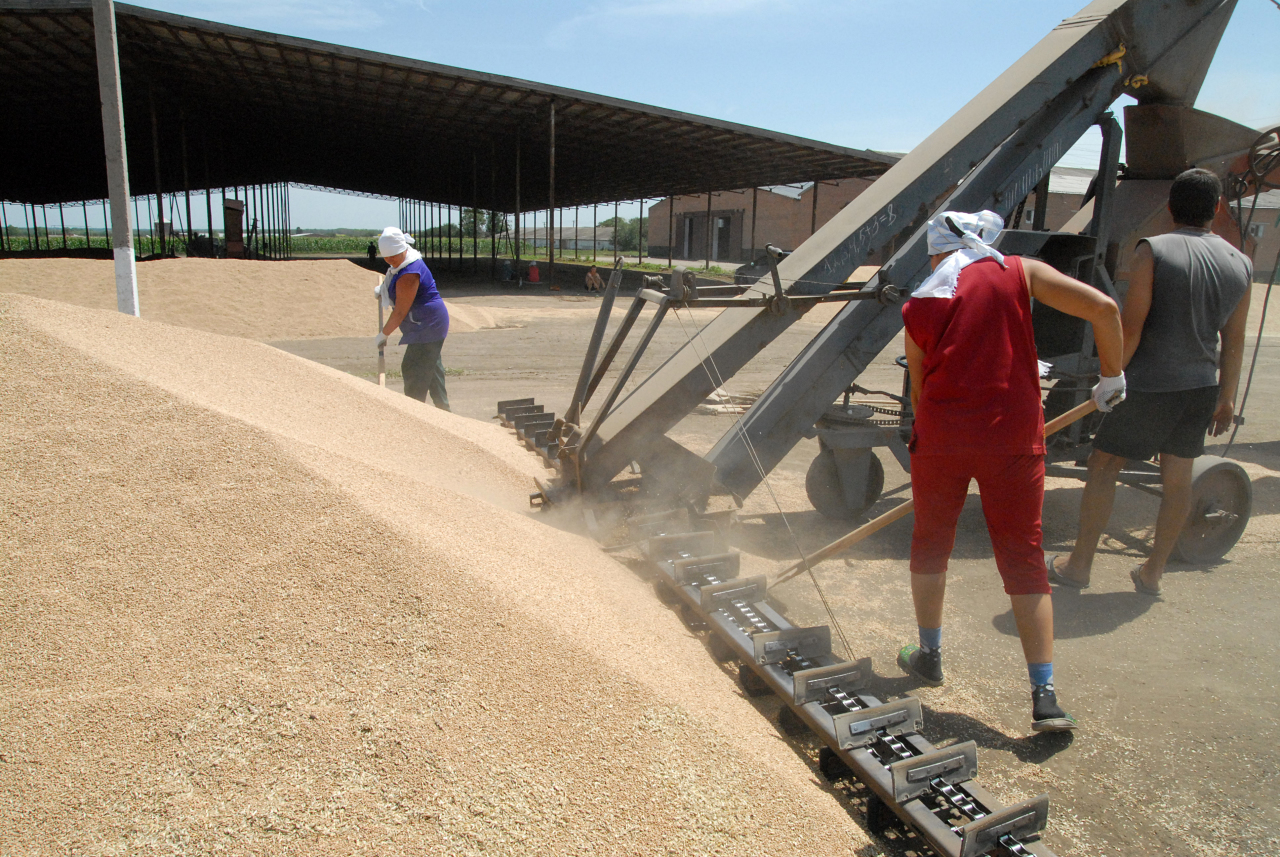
{"points": [[870, 74]]}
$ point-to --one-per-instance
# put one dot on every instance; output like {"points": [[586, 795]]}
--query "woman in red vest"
{"points": [[975, 389]]}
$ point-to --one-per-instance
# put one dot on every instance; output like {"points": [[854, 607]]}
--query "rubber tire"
{"points": [[752, 684], [721, 651], [822, 484], [1216, 485], [790, 724], [832, 767], [879, 817]]}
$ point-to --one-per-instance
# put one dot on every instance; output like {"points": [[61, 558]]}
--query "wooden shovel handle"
{"points": [[901, 511]]}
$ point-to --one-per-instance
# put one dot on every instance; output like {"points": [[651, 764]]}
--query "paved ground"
{"points": [[1177, 698]]}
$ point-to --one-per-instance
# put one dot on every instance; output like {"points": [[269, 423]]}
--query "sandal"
{"points": [[1061, 579], [1136, 577]]}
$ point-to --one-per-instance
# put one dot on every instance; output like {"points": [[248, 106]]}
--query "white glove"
{"points": [[377, 290], [1109, 392], [380, 341]]}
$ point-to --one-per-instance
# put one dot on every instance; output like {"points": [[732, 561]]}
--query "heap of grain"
{"points": [[253, 605], [257, 300]]}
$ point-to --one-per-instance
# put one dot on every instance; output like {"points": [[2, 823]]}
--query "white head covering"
{"points": [[393, 242], [970, 235]]}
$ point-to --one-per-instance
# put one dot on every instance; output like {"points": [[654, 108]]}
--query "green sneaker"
{"points": [[926, 666], [1046, 714]]}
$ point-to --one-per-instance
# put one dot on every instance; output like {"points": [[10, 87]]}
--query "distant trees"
{"points": [[626, 233]]}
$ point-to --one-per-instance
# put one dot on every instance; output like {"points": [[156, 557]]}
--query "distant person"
{"points": [[975, 390], [533, 273], [594, 283], [372, 251], [1188, 290], [419, 312]]}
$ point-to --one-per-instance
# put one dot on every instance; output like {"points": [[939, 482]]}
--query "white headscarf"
{"points": [[392, 242], [970, 236]]}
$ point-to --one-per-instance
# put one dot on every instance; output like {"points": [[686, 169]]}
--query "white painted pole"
{"points": [[104, 34]]}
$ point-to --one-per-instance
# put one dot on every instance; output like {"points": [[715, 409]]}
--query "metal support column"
{"points": [[155, 158], [640, 235], [708, 231], [104, 36], [1042, 206], [475, 215], [186, 176], [62, 223], [813, 217], [519, 238], [551, 202], [671, 225], [754, 192], [615, 233]]}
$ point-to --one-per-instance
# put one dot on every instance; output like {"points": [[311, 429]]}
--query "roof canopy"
{"points": [[258, 107]]}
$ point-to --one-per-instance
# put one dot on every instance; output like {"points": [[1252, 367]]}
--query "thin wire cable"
{"points": [[718, 380], [1253, 364]]}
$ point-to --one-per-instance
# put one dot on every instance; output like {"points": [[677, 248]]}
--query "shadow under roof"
{"points": [[259, 107]]}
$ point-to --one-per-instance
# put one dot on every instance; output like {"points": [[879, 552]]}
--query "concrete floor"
{"points": [[1177, 698]]}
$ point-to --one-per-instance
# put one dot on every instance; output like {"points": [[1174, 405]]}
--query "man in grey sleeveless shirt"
{"points": [[1188, 288]]}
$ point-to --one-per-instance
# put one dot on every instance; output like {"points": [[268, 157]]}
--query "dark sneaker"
{"points": [[926, 666], [1046, 714]]}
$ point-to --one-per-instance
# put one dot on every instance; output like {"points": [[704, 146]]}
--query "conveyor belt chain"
{"points": [[930, 789]]}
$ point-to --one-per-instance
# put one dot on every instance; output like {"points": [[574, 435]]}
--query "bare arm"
{"points": [[915, 369], [406, 291], [1137, 302], [1056, 289], [1229, 363]]}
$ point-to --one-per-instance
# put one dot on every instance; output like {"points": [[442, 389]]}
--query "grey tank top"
{"points": [[1199, 279]]}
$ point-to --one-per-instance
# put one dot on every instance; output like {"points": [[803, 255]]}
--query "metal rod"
{"points": [[615, 345], [62, 221], [813, 217], [579, 400], [615, 233], [155, 158], [630, 366], [671, 223], [475, 215], [551, 202], [754, 192], [707, 267], [1042, 205], [186, 178], [519, 238], [493, 202], [640, 235]]}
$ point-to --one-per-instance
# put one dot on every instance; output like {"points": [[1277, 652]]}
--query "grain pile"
{"points": [[266, 301], [253, 606]]}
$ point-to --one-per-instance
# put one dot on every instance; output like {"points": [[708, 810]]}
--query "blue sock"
{"points": [[930, 639], [1041, 674]]}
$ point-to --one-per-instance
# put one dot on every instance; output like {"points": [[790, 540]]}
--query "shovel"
{"points": [[1077, 413]]}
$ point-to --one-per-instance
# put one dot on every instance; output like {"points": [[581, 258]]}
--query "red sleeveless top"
{"points": [[981, 382]]}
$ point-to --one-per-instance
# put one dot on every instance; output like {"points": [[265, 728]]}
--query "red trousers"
{"points": [[1012, 491]]}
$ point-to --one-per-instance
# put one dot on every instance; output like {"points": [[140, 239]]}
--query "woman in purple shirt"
{"points": [[419, 312]]}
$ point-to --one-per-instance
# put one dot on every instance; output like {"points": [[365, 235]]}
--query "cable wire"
{"points": [[709, 366]]}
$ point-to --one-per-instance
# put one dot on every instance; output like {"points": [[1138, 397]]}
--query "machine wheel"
{"points": [[832, 767], [1221, 501], [665, 593], [790, 723], [879, 817], [752, 684], [719, 649], [822, 484]]}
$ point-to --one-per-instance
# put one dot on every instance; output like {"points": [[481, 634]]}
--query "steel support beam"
{"points": [[104, 35], [1082, 55]]}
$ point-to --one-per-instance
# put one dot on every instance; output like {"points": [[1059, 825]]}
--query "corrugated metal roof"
{"points": [[259, 107]]}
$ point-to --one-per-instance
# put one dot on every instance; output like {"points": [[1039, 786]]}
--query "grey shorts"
{"points": [[1144, 424]]}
